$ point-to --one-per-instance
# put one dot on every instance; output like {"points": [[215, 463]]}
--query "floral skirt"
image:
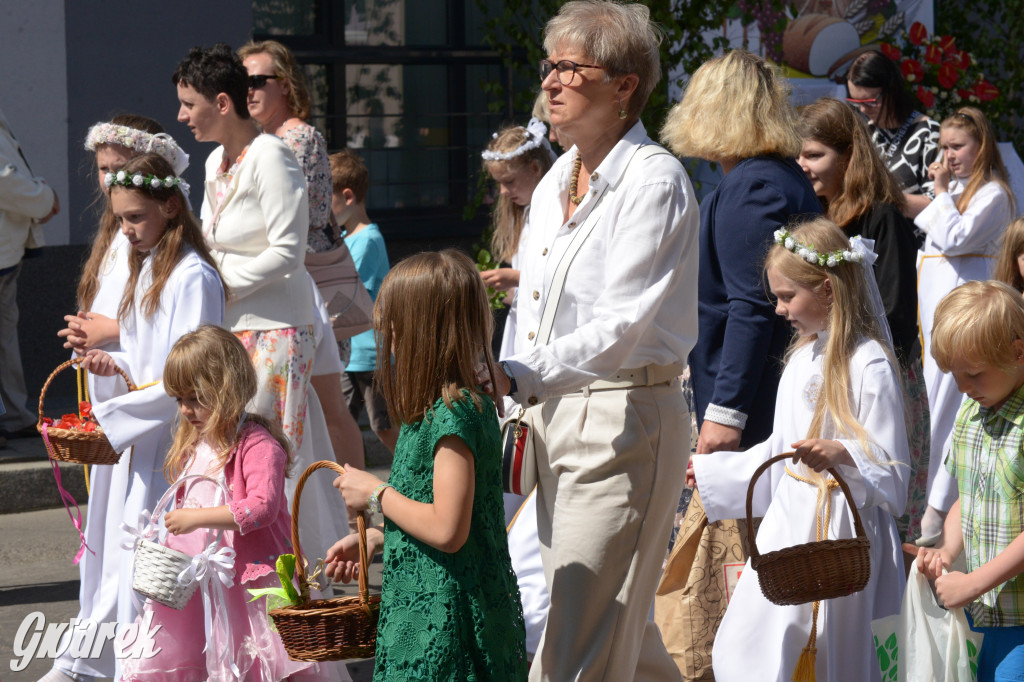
{"points": [[283, 359], [915, 400]]}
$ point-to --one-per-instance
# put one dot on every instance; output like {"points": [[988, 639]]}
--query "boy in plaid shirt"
{"points": [[978, 336]]}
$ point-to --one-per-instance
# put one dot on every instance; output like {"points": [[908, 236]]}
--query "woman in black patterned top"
{"points": [[907, 139]]}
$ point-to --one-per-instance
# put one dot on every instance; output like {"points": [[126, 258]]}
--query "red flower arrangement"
{"points": [[941, 76]]}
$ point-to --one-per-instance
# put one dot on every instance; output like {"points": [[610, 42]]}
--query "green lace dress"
{"points": [[450, 616]]}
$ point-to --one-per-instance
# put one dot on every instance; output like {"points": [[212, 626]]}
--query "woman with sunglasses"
{"points": [[907, 139], [617, 216], [279, 102]]}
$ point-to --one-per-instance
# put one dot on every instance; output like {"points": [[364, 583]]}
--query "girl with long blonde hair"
{"points": [[963, 226], [834, 409], [209, 374]]}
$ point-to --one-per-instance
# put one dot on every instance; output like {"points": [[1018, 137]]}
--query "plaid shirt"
{"points": [[987, 461]]}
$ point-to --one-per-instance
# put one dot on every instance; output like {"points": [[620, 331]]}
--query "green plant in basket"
{"points": [[485, 261], [287, 594]]}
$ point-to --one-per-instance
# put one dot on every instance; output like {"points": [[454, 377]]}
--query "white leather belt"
{"points": [[651, 375]]}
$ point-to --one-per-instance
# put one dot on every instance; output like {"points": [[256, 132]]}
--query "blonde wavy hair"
{"points": [[287, 69], [850, 321], [213, 367], [978, 323], [619, 37], [736, 106]]}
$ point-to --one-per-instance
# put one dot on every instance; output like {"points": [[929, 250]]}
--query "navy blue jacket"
{"points": [[737, 361]]}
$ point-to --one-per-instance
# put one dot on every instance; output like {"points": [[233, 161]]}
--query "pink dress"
{"points": [[243, 644]]}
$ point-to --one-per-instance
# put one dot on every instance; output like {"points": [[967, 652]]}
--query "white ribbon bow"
{"points": [[142, 531], [214, 570], [866, 247]]}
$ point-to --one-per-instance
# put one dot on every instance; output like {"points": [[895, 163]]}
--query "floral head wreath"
{"points": [[138, 141], [144, 181], [536, 136], [855, 254]]}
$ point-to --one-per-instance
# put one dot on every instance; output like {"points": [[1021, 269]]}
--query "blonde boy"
{"points": [[978, 337], [351, 182]]}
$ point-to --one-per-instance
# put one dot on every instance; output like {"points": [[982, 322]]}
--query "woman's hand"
{"points": [[182, 521], [99, 363], [820, 454], [501, 279], [356, 486], [939, 172], [86, 331], [931, 561], [342, 561]]}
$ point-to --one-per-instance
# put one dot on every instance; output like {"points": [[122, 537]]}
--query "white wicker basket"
{"points": [[156, 574], [156, 567]]}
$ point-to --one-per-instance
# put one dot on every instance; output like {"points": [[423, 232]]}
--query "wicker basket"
{"points": [[80, 447], [328, 629], [156, 574], [815, 570], [156, 568]]}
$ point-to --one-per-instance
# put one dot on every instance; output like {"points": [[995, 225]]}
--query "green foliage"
{"points": [[991, 29]]}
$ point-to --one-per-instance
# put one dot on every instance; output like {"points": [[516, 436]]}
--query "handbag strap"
{"points": [[547, 318]]}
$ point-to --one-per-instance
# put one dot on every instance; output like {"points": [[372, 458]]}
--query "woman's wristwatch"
{"points": [[373, 503], [512, 388]]}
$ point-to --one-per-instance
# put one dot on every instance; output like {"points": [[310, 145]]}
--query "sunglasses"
{"points": [[866, 103], [257, 81]]}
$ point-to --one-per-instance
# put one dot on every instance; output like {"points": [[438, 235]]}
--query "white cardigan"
{"points": [[259, 237]]}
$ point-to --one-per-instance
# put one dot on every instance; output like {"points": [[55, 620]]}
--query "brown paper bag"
{"points": [[699, 576]]}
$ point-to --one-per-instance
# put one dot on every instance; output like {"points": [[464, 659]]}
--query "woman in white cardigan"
{"points": [[256, 220]]}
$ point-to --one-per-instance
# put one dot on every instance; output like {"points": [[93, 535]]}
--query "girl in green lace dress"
{"points": [[450, 607]]}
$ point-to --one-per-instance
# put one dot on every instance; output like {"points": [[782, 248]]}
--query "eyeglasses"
{"points": [[565, 70], [872, 103], [257, 81]]}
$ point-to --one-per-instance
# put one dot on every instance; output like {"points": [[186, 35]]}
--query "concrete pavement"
{"points": [[36, 548]]}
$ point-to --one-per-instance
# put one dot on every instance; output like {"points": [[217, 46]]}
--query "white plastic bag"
{"points": [[925, 642]]}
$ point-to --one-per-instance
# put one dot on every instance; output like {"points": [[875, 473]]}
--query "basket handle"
{"points": [[60, 368], [170, 494], [300, 563], [858, 525]]}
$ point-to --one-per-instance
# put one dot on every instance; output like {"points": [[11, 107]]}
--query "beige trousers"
{"points": [[611, 468]]}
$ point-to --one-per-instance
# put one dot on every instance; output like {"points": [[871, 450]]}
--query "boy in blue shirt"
{"points": [[351, 181]]}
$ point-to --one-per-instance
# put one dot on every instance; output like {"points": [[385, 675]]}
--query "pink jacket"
{"points": [[255, 479]]}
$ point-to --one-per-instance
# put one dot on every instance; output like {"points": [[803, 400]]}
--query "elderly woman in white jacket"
{"points": [[256, 220]]}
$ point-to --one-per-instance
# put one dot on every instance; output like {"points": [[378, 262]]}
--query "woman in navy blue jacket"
{"points": [[736, 113]]}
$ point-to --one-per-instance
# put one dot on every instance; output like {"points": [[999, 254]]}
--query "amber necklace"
{"points": [[574, 180]]}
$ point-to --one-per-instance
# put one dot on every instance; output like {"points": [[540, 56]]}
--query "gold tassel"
{"points": [[805, 665]]}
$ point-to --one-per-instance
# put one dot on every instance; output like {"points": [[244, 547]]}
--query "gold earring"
{"points": [[622, 112]]}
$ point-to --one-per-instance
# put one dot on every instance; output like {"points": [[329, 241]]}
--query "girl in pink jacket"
{"points": [[211, 376]]}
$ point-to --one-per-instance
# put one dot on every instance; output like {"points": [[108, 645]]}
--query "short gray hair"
{"points": [[617, 36]]}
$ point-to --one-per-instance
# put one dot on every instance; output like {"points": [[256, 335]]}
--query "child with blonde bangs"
{"points": [[1010, 263], [210, 376], [972, 207], [835, 406], [450, 608], [979, 339]]}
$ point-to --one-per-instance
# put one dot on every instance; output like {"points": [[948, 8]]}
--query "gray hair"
{"points": [[619, 37]]}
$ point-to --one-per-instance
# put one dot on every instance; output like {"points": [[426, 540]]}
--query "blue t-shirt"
{"points": [[371, 258]]}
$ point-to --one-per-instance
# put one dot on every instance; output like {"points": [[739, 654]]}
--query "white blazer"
{"points": [[258, 238]]}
